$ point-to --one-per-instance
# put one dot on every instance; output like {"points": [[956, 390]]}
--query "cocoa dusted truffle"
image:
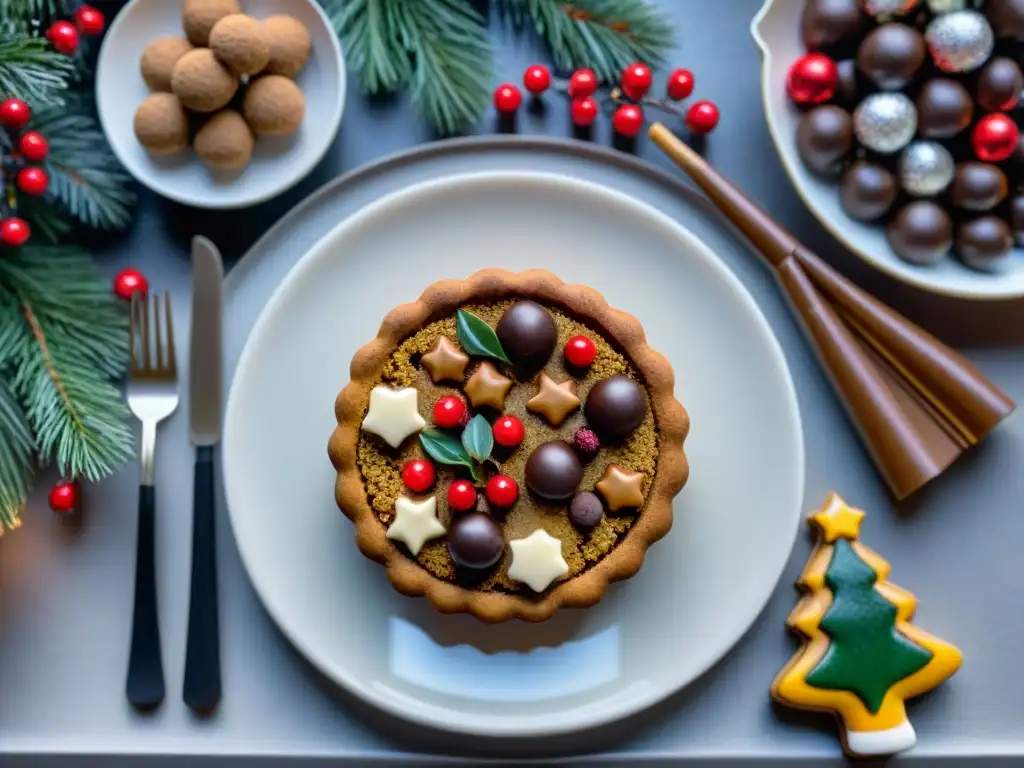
{"points": [[983, 243], [891, 54], [828, 22], [867, 191], [824, 137], [615, 406], [553, 471], [999, 85], [944, 108], [921, 233], [528, 334], [977, 186], [586, 510]]}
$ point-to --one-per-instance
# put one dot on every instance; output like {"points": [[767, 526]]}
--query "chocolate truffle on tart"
{"points": [[508, 446]]}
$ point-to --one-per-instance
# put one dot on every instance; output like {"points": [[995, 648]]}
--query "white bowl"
{"points": [[776, 29], [278, 162]]}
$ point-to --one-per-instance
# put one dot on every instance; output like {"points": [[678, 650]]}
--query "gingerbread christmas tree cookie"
{"points": [[862, 658]]}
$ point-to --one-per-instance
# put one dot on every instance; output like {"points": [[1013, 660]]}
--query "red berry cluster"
{"points": [[30, 146], [631, 97], [64, 36]]}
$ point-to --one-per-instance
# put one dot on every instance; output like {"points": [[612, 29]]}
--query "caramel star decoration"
{"points": [[487, 387], [554, 401], [838, 520], [445, 362], [621, 487]]}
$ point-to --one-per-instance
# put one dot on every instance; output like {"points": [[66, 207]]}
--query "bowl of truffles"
{"points": [[220, 103], [899, 124]]}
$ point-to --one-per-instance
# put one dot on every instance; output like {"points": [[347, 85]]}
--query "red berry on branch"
{"points": [[502, 491], [628, 120], [14, 113], [537, 79], [580, 351], [583, 83], [583, 111], [636, 80], [32, 181], [14, 232], [507, 98], [64, 497], [679, 85], [63, 36], [89, 20], [508, 431], [702, 117], [461, 495], [448, 410], [994, 138], [812, 79], [128, 281], [418, 475], [33, 146]]}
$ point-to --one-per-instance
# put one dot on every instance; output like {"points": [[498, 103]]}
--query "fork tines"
{"points": [[149, 354]]}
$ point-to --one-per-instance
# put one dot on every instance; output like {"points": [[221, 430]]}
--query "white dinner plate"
{"points": [[700, 588]]}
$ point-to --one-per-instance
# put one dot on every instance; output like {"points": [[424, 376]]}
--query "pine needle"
{"points": [[16, 451], [33, 71], [367, 28]]}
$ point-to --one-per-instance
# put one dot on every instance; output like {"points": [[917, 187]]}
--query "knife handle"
{"points": [[145, 686], [202, 653]]}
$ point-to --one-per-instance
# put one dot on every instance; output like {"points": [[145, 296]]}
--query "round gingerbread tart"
{"points": [[508, 446]]}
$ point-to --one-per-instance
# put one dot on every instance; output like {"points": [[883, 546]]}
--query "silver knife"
{"points": [[202, 687]]}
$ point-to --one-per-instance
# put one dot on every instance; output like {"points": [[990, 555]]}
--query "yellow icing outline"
{"points": [[790, 685]]}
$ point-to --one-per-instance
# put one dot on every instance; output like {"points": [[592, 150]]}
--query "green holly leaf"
{"points": [[445, 448], [477, 337], [477, 438]]}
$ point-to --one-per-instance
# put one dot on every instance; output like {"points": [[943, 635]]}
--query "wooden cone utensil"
{"points": [[917, 404]]}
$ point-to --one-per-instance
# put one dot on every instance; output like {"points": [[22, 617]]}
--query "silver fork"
{"points": [[152, 397]]}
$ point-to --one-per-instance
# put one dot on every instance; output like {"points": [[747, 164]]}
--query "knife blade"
{"points": [[202, 685]]}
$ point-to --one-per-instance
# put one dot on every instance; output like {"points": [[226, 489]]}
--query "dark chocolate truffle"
{"points": [[553, 471], [586, 511], [891, 54], [848, 86], [921, 233], [977, 186], [824, 137], [1006, 17], [944, 108], [999, 85], [867, 191], [984, 242], [528, 334], [615, 406], [475, 541], [828, 22], [1017, 219]]}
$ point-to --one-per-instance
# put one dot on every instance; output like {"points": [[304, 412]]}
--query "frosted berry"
{"points": [[33, 146], [580, 351], [628, 120], [418, 475], [583, 111], [502, 491], [65, 497], [461, 495], [89, 20], [32, 181], [679, 85], [582, 83], [14, 232], [537, 79], [448, 410], [585, 441], [508, 431], [702, 117], [636, 80], [507, 98], [128, 281], [14, 113], [63, 36]]}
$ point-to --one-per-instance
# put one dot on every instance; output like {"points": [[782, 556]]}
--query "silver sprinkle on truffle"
{"points": [[960, 41], [885, 122], [926, 168]]}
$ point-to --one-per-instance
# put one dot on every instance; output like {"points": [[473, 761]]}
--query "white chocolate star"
{"points": [[537, 560], [415, 522], [393, 414]]}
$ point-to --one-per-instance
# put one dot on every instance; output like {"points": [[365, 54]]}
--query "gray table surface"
{"points": [[63, 641]]}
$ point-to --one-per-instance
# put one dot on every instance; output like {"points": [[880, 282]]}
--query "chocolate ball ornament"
{"points": [[978, 186], [889, 7], [847, 85], [586, 511], [885, 122], [553, 471], [999, 85], [1017, 219], [926, 168], [828, 22], [528, 334], [944, 108], [960, 41], [891, 55], [812, 79], [824, 137], [1006, 17], [867, 191], [475, 541], [921, 233], [983, 243], [615, 406]]}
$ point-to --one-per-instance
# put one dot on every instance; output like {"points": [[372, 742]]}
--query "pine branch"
{"points": [[26, 13], [367, 29], [16, 452], [602, 35], [33, 71]]}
